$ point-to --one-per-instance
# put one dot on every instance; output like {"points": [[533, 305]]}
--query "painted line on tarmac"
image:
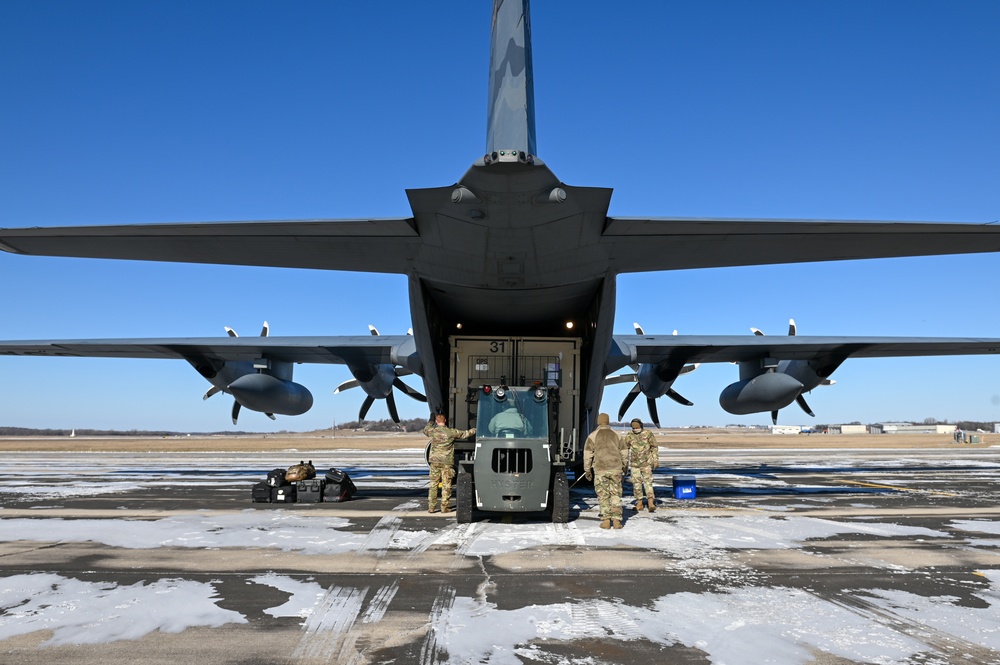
{"points": [[898, 488]]}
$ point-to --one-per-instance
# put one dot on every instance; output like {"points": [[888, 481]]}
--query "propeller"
{"points": [[800, 400], [650, 382], [386, 377], [216, 389]]}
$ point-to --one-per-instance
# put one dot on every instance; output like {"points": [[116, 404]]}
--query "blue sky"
{"points": [[125, 112]]}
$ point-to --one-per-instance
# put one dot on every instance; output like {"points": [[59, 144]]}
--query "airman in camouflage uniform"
{"points": [[644, 456], [442, 460], [604, 461]]}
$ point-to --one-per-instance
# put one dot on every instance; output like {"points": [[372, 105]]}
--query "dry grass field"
{"points": [[689, 439]]}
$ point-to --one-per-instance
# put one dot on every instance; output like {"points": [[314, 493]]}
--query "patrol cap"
{"points": [[603, 419], [636, 421]]}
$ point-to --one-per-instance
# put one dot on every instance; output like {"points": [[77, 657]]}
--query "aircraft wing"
{"points": [[667, 243], [678, 350], [365, 245], [341, 350]]}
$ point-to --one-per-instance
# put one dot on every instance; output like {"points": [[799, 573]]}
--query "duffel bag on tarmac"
{"points": [[300, 471], [276, 477], [339, 486]]}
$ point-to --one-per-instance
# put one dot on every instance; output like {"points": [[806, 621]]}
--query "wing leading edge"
{"points": [[686, 349], [648, 244], [340, 350], [773, 371]]}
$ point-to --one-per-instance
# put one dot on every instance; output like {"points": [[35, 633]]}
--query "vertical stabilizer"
{"points": [[510, 124]]}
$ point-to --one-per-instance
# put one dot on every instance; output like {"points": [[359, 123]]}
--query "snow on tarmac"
{"points": [[735, 620]]}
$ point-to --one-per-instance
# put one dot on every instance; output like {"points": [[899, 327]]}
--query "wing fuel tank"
{"points": [[767, 392], [269, 394]]}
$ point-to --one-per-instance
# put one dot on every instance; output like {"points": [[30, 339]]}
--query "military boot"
{"points": [[606, 524], [432, 509], [652, 505], [618, 523], [640, 505]]}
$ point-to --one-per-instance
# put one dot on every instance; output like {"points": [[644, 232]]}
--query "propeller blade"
{"points": [[410, 392], [270, 415], [774, 417], [390, 402], [651, 405], [231, 332], [627, 402], [620, 378], [791, 327], [689, 368], [801, 401], [364, 407], [236, 410], [638, 329], [677, 397], [757, 331], [265, 330], [211, 391], [347, 385], [372, 330]]}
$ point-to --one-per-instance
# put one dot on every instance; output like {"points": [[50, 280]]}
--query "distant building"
{"points": [[848, 429], [909, 428], [786, 429]]}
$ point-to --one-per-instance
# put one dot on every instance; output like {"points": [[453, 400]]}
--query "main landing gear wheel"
{"points": [[560, 498]]}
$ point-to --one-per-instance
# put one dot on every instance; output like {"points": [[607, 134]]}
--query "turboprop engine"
{"points": [[263, 385], [378, 380]]}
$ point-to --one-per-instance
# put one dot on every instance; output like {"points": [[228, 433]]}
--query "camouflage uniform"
{"points": [[644, 456], [604, 454], [442, 461]]}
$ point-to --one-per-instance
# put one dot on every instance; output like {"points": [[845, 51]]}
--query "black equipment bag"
{"points": [[284, 494], [309, 491], [261, 493], [276, 477], [339, 486]]}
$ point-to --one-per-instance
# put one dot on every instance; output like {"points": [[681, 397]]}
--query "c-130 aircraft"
{"points": [[512, 281]]}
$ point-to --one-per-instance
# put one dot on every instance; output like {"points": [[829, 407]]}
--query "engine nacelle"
{"points": [[802, 371], [269, 394], [770, 391], [380, 384], [650, 382]]}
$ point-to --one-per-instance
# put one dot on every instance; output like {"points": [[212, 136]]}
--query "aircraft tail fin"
{"points": [[510, 124]]}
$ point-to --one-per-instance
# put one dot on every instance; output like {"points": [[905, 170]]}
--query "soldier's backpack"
{"points": [[300, 471]]}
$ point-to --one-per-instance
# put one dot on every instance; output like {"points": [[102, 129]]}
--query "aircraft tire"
{"points": [[560, 498], [463, 497]]}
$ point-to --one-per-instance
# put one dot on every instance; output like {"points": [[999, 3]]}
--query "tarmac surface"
{"points": [[784, 556]]}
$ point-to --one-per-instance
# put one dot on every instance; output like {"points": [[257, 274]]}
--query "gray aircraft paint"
{"points": [[511, 121], [509, 250]]}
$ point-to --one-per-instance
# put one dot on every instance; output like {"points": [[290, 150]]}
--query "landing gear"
{"points": [[560, 498], [464, 491]]}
